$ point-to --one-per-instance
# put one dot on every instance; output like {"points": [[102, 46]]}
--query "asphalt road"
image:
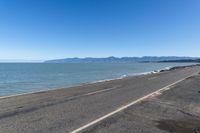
{"points": [[176, 110], [65, 110]]}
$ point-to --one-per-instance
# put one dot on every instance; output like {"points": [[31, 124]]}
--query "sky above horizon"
{"points": [[53, 29]]}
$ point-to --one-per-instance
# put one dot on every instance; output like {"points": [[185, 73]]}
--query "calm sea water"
{"points": [[16, 78]]}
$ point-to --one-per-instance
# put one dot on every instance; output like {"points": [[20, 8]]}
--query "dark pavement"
{"points": [[64, 110]]}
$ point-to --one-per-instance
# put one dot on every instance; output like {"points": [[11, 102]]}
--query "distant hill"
{"points": [[125, 59], [183, 60]]}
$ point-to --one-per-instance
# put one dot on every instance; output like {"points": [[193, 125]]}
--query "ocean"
{"points": [[18, 78]]}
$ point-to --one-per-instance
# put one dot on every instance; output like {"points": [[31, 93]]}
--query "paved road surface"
{"points": [[175, 111], [66, 110]]}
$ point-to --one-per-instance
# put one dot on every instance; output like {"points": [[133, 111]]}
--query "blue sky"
{"points": [[49, 29]]}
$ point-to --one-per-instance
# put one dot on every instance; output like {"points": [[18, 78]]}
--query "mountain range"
{"points": [[126, 59]]}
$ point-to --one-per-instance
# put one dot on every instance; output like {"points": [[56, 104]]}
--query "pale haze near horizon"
{"points": [[43, 30]]}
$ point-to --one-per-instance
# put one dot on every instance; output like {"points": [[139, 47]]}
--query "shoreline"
{"points": [[75, 107], [170, 68], [174, 108]]}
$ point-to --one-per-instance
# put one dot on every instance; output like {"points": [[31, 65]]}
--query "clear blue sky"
{"points": [[49, 29]]}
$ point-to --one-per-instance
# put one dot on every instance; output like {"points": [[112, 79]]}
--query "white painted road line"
{"points": [[152, 78], [100, 91], [87, 94], [128, 105], [92, 93]]}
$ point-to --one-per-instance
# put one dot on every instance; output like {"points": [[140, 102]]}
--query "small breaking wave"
{"points": [[133, 74]]}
